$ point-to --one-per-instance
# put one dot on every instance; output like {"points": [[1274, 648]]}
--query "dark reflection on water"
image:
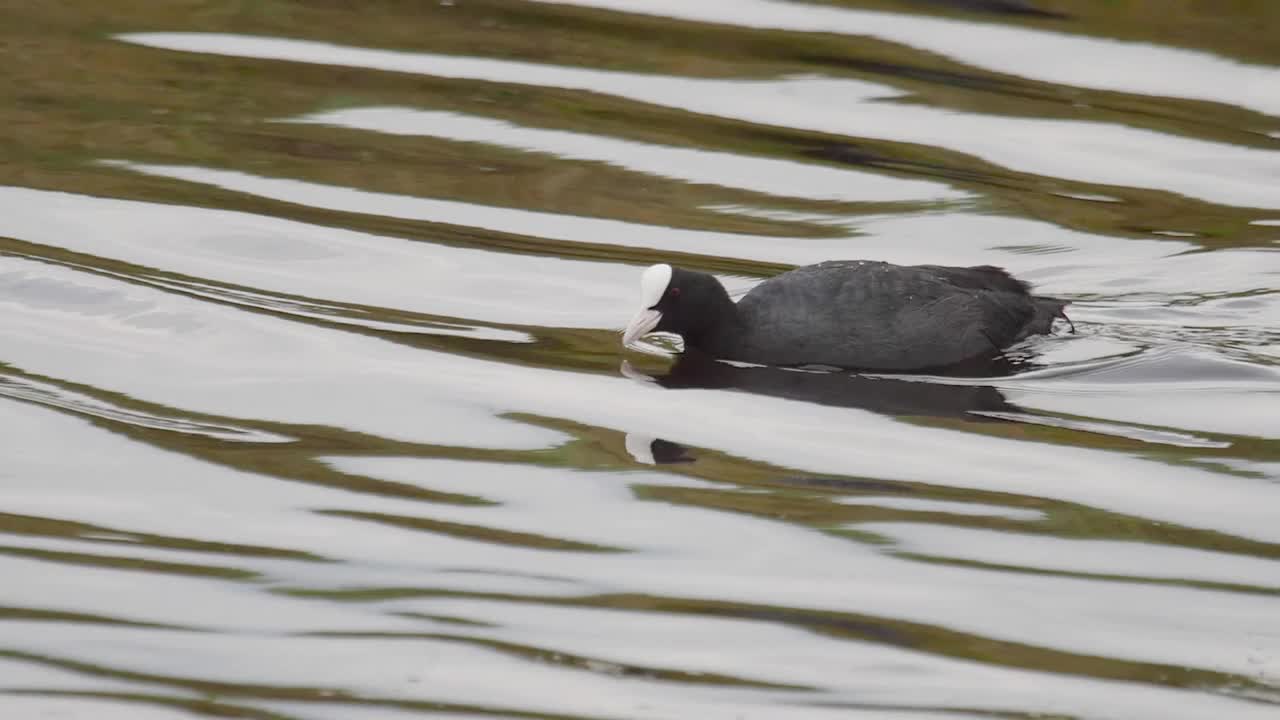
{"points": [[887, 396], [1001, 7], [884, 395]]}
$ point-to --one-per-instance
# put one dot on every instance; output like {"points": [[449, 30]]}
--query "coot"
{"points": [[855, 314]]}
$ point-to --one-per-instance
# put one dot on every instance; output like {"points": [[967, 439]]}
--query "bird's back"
{"points": [[876, 315]]}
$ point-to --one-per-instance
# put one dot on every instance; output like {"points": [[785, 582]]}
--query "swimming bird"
{"points": [[854, 314]]}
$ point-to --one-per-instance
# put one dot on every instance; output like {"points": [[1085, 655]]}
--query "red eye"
{"points": [[674, 292]]}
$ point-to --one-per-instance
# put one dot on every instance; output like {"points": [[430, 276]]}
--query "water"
{"points": [[313, 403]]}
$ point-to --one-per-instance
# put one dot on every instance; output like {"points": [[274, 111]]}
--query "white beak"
{"points": [[642, 324]]}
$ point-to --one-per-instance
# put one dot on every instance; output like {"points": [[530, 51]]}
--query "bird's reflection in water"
{"points": [[885, 395], [656, 451]]}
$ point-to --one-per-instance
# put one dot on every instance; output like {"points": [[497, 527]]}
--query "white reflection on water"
{"points": [[944, 506], [1085, 151], [1101, 557], [674, 550], [328, 264], [1043, 55], [499, 219], [1175, 387], [88, 707], [230, 362], [774, 177], [54, 396], [695, 552], [896, 238]]}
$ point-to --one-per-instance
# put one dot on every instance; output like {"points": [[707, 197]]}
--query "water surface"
{"points": [[314, 406]]}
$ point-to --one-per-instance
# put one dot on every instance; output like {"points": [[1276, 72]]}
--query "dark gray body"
{"points": [[880, 316]]}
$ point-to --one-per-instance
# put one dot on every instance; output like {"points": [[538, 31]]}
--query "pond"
{"points": [[314, 403]]}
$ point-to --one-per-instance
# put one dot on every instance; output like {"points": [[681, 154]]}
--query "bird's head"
{"points": [[684, 302]]}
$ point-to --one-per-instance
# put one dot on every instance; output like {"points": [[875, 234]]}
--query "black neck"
{"points": [[717, 324]]}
